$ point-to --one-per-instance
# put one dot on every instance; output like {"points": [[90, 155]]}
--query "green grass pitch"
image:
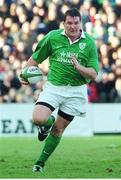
{"points": [[75, 157]]}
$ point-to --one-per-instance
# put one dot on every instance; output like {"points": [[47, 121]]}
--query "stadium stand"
{"points": [[23, 23]]}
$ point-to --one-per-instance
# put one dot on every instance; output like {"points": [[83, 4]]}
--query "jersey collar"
{"points": [[82, 36]]}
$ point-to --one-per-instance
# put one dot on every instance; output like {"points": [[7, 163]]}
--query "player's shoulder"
{"points": [[55, 32], [88, 37], [54, 35]]}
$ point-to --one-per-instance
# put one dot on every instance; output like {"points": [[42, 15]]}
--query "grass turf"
{"points": [[75, 157]]}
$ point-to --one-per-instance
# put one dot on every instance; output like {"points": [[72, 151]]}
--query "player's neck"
{"points": [[74, 38]]}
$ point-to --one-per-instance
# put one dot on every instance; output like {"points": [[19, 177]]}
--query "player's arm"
{"points": [[31, 62], [41, 53], [87, 72]]}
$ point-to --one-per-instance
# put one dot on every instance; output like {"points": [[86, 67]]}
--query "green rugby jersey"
{"points": [[57, 47]]}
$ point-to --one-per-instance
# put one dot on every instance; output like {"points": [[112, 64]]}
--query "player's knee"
{"points": [[37, 120]]}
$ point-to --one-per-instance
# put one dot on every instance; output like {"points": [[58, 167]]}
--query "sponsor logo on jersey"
{"points": [[65, 57]]}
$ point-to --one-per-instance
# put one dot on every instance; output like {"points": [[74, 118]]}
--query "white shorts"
{"points": [[71, 100]]}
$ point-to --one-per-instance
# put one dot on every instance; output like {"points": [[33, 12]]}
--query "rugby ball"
{"points": [[31, 74]]}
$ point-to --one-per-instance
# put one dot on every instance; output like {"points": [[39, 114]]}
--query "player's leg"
{"points": [[47, 101], [43, 119], [52, 141]]}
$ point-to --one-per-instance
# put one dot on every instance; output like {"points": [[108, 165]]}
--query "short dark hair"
{"points": [[72, 12]]}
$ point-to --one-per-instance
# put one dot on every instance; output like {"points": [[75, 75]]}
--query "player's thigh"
{"points": [[59, 126], [41, 113], [76, 102], [75, 106]]}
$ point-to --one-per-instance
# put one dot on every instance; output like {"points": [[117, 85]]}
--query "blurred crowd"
{"points": [[24, 22]]}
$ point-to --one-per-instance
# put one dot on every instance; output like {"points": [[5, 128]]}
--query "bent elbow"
{"points": [[93, 76]]}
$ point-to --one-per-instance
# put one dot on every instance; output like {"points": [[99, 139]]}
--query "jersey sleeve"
{"points": [[93, 57], [42, 50]]}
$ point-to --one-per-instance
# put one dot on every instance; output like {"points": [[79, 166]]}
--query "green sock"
{"points": [[50, 145], [49, 122]]}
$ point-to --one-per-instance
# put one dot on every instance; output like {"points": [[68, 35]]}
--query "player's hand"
{"points": [[74, 62], [22, 81]]}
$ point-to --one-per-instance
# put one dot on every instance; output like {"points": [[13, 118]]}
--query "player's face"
{"points": [[72, 26]]}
